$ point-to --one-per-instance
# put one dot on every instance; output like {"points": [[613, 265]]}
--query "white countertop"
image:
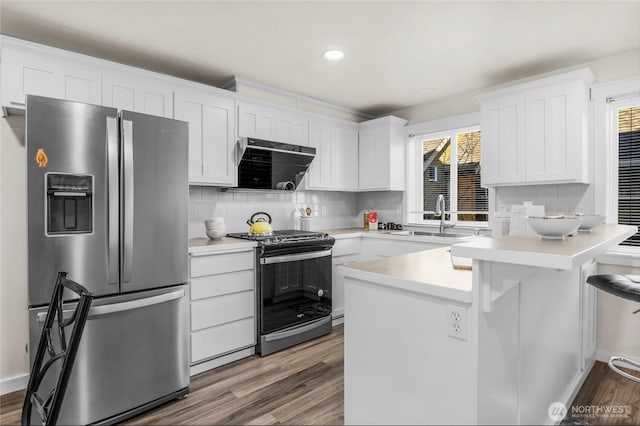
{"points": [[428, 272], [531, 250], [206, 245], [343, 233]]}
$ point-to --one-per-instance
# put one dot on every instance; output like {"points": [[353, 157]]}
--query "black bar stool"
{"points": [[56, 352], [628, 287]]}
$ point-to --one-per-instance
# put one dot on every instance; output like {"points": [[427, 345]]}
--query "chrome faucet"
{"points": [[440, 212]]}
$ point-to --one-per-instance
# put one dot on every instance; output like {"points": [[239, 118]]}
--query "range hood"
{"points": [[272, 165]]}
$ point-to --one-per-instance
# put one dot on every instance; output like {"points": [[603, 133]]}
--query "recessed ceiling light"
{"points": [[333, 55]]}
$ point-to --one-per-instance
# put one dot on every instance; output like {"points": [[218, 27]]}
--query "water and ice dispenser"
{"points": [[69, 204]]}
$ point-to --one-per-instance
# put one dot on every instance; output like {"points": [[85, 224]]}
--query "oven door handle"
{"points": [[294, 257], [297, 330]]}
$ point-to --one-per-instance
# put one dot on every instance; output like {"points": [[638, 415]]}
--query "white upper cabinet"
{"points": [[503, 158], [137, 91], [211, 118], [536, 132], [264, 122], [335, 166], [381, 155], [38, 72]]}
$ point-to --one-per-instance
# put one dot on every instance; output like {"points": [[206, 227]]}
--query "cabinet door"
{"points": [[337, 284], [292, 128], [588, 314], [345, 158], [25, 72], [132, 92], [553, 145], [211, 121], [373, 156], [256, 121], [322, 137], [261, 122], [503, 141]]}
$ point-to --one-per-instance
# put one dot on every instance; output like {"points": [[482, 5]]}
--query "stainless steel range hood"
{"points": [[272, 165]]}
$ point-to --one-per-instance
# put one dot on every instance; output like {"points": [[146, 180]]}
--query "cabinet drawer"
{"points": [[220, 284], [221, 263], [221, 339], [222, 309], [348, 246]]}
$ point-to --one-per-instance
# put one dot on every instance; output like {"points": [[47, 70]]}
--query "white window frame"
{"points": [[608, 98], [413, 201]]}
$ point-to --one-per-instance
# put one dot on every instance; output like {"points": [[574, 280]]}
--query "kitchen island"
{"points": [[427, 344]]}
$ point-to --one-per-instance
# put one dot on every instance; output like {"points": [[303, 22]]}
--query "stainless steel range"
{"points": [[293, 287]]}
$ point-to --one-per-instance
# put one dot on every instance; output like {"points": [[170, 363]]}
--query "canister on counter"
{"points": [[366, 220], [373, 220]]}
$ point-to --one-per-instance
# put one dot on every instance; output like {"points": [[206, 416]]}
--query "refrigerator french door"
{"points": [[107, 203]]}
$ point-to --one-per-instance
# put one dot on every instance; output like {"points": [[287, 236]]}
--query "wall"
{"points": [[388, 204], [14, 362], [557, 199], [329, 209], [610, 68]]}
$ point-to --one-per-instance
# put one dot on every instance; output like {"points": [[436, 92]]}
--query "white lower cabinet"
{"points": [[348, 250], [223, 304], [376, 248], [344, 251]]}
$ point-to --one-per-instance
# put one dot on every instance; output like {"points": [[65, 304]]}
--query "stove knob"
{"points": [[320, 293]]}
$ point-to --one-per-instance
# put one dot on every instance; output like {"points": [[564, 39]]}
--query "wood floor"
{"points": [[303, 385], [606, 390]]}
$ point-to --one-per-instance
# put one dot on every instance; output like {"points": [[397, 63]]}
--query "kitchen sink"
{"points": [[430, 234]]}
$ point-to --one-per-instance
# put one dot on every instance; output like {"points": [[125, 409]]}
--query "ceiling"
{"points": [[397, 53]]}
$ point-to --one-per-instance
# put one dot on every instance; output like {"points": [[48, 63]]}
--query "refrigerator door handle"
{"points": [[97, 311], [112, 201], [127, 190]]}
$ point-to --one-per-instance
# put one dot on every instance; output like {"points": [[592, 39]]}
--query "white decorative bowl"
{"points": [[214, 223], [590, 221], [554, 227], [216, 233]]}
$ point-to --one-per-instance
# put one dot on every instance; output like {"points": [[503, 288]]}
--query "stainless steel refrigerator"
{"points": [[108, 203]]}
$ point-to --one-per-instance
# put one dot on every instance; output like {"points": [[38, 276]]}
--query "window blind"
{"points": [[629, 170], [473, 200]]}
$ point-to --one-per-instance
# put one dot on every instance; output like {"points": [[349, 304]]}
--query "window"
{"points": [[629, 168], [448, 163]]}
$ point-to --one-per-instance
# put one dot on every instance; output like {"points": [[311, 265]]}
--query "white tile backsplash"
{"points": [[330, 209], [557, 198], [388, 204]]}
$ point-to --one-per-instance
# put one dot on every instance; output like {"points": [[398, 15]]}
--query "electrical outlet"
{"points": [[457, 322]]}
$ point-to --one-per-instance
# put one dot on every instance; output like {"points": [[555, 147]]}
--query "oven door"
{"points": [[295, 295]]}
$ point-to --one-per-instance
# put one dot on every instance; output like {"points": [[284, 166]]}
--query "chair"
{"points": [[628, 287], [56, 349]]}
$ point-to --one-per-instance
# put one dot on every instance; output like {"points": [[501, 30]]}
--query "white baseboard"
{"points": [[217, 362], [337, 320], [14, 384], [604, 357]]}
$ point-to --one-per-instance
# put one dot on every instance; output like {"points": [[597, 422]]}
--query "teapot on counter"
{"points": [[260, 227]]}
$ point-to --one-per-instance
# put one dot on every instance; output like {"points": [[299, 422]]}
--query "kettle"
{"points": [[260, 227]]}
